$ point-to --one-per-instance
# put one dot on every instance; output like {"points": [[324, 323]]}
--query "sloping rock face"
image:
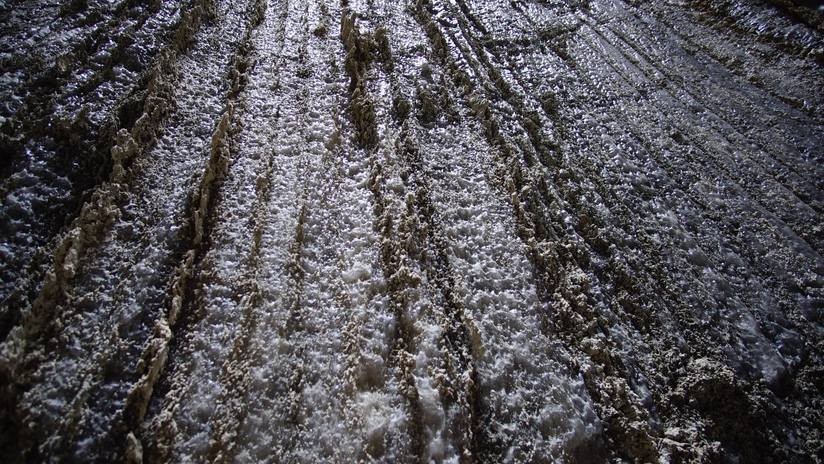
{"points": [[461, 231]]}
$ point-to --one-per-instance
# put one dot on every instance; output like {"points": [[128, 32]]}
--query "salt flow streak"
{"points": [[412, 231]]}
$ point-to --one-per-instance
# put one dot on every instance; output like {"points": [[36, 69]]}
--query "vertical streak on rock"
{"points": [[23, 349], [461, 339], [556, 261], [155, 355], [360, 49]]}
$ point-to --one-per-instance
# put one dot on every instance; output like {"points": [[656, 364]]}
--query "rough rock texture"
{"points": [[412, 231]]}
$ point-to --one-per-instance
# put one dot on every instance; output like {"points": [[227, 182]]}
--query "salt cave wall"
{"points": [[411, 231]]}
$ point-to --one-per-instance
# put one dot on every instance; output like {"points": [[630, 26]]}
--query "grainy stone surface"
{"points": [[412, 231]]}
